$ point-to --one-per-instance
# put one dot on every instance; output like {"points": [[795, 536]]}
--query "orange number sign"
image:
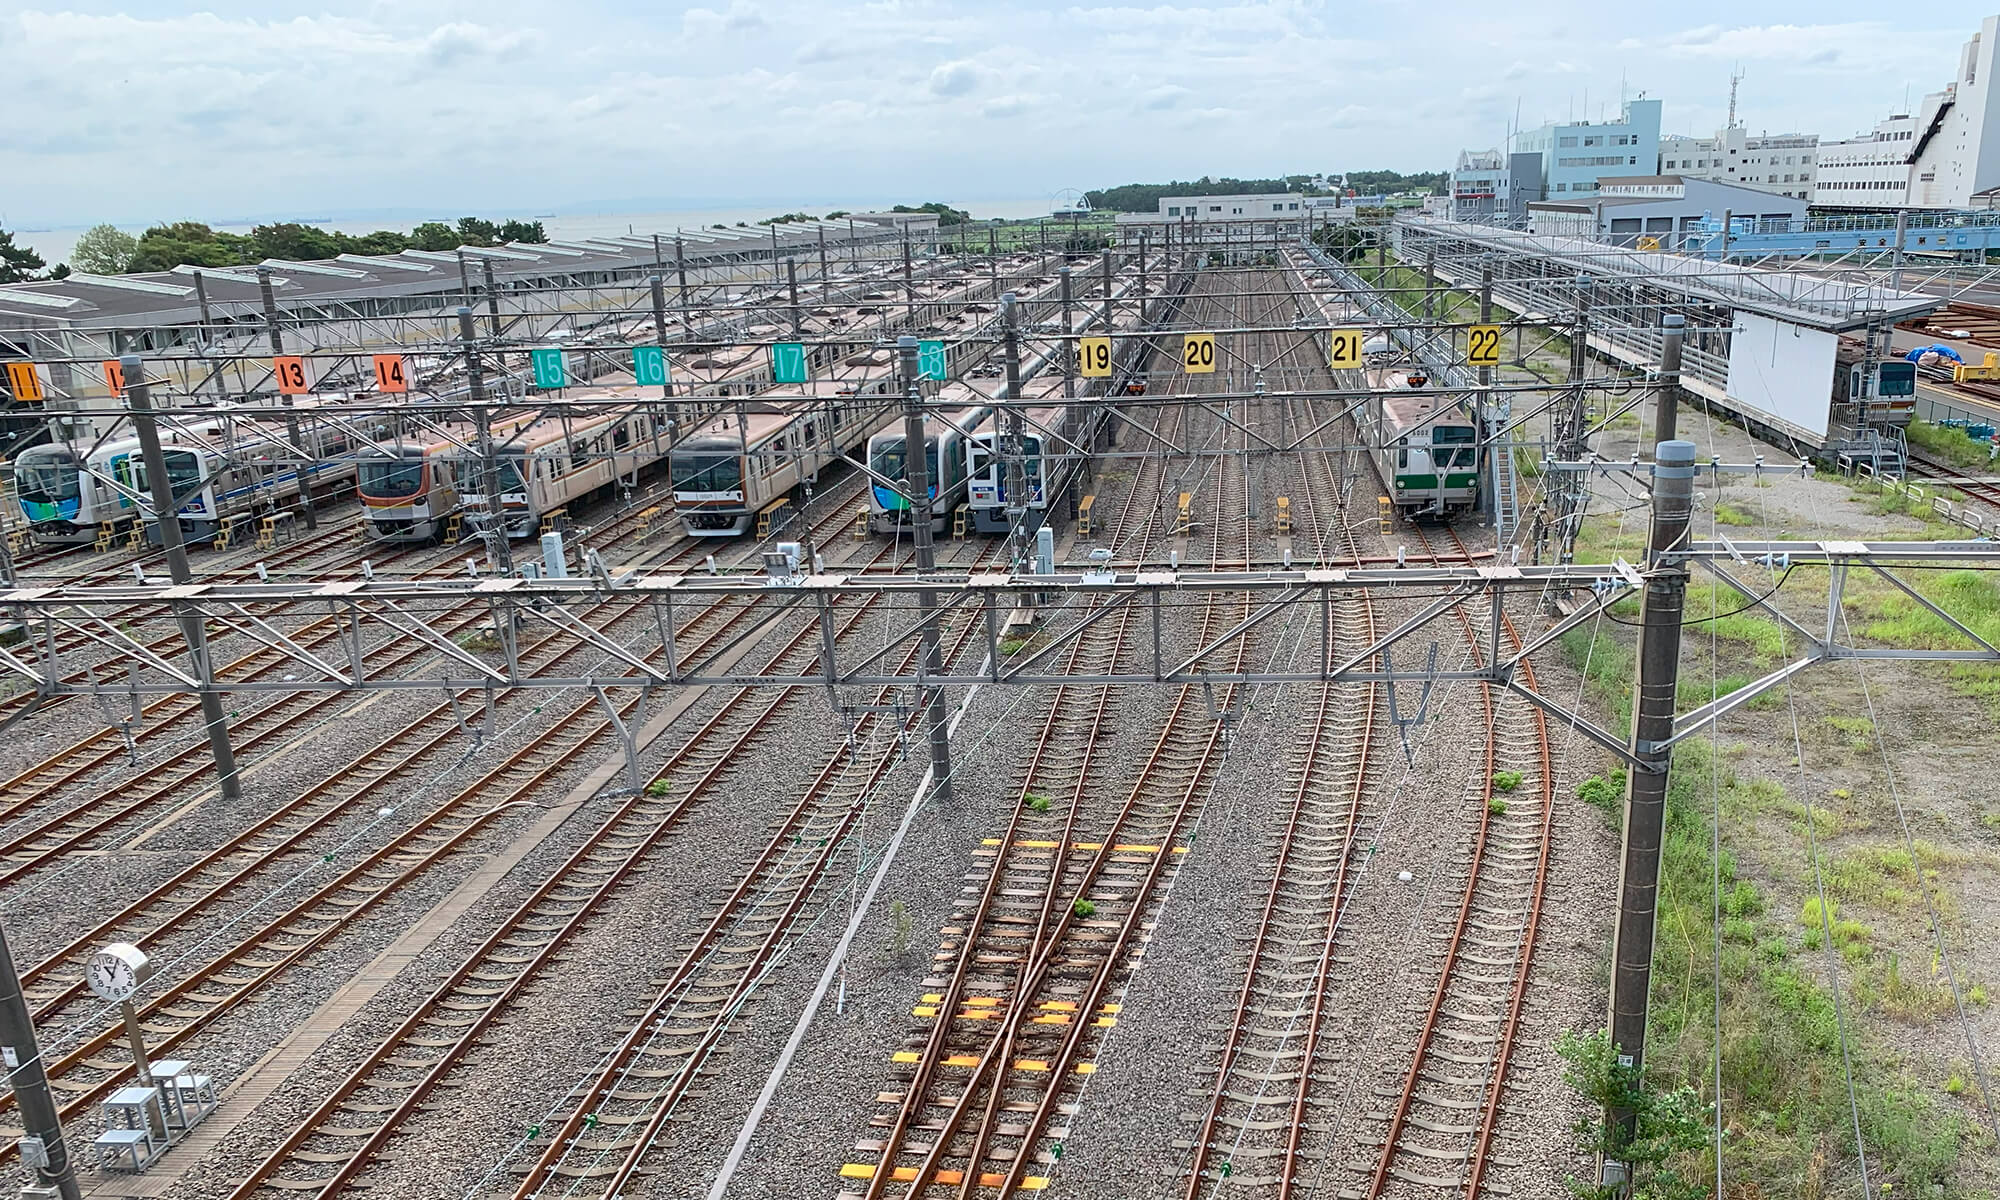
{"points": [[389, 375], [114, 376], [291, 373]]}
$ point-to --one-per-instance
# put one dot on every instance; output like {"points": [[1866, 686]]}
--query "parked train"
{"points": [[742, 460], [544, 462], [221, 468], [1424, 444]]}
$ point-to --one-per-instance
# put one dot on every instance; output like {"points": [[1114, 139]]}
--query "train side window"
{"points": [[621, 436]]}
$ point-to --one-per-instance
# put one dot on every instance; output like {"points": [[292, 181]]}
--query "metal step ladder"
{"points": [[1507, 511]]}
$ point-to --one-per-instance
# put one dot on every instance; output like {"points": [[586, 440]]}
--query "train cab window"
{"points": [[47, 476], [1455, 448], [391, 478], [706, 472]]}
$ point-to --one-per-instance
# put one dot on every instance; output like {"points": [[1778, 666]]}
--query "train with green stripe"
{"points": [[1424, 445]]}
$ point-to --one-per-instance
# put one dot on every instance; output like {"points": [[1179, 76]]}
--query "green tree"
{"points": [[528, 232], [18, 264], [382, 241], [787, 218], [104, 250], [836, 214], [294, 241], [434, 235], [164, 247], [1670, 1129], [946, 214], [474, 232]]}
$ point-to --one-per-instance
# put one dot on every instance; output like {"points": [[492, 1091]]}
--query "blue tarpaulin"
{"points": [[1944, 351]]}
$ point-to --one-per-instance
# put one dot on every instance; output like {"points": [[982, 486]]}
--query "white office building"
{"points": [[1946, 154], [1781, 163], [1575, 155]]}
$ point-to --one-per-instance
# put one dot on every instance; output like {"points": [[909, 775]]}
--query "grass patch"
{"points": [[1971, 597], [1783, 1077], [1506, 781], [482, 641], [1527, 464], [1950, 445], [1729, 514], [1859, 732]]}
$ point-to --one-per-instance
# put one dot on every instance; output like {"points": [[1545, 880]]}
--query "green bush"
{"points": [[1506, 781], [1036, 803], [1083, 908], [1496, 806]]}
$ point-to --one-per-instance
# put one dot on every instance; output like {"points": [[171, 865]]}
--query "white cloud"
{"points": [[954, 78], [431, 106]]}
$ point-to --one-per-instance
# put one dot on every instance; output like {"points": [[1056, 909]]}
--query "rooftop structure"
{"points": [[1782, 163]]}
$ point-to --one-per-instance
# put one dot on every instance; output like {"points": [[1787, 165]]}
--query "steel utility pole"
{"points": [[30, 1081], [1013, 441], [1107, 293], [792, 285], [909, 285], [917, 486], [489, 454], [1142, 277], [660, 327], [277, 338], [492, 295], [167, 509], [687, 309], [1646, 789], [1666, 411], [1489, 498], [825, 279]]}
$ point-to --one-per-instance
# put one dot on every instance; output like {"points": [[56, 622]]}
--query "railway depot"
{"points": [[525, 722]]}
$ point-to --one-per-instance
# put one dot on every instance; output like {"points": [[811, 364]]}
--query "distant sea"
{"points": [[54, 245]]}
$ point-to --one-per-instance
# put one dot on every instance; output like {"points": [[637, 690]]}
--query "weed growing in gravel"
{"points": [[1083, 908], [659, 787], [1035, 802], [1860, 731], [480, 642], [1496, 806], [1606, 793], [1785, 1091], [1954, 1085], [1729, 514], [899, 928], [1506, 781]]}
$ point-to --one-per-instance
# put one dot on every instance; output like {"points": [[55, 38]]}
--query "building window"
{"points": [[1215, 208], [1565, 142], [1174, 210]]}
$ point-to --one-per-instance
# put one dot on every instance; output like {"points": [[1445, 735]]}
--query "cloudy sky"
{"points": [[144, 111]]}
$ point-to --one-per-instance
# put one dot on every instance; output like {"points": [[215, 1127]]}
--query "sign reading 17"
{"points": [[1198, 354]]}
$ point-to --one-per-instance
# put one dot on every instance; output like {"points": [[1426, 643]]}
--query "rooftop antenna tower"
{"points": [[1735, 77]]}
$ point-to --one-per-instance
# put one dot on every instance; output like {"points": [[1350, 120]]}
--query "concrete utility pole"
{"points": [[1646, 788], [30, 1080], [1068, 328], [464, 279], [1666, 413], [1013, 439], [825, 279], [208, 334], [1726, 215], [993, 257], [167, 508], [917, 486], [277, 339], [489, 453]]}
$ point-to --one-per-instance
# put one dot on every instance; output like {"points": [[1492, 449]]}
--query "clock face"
{"points": [[114, 973]]}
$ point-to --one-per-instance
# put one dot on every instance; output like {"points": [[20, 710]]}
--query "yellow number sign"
{"points": [[1095, 355], [1198, 354], [1344, 348], [23, 382], [1482, 346]]}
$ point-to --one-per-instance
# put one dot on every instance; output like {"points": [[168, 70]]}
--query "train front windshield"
{"points": [[47, 476], [1452, 448], [888, 460], [392, 478], [707, 473], [183, 473]]}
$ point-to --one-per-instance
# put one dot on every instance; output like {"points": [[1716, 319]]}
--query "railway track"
{"points": [[1438, 1129], [993, 1072], [1259, 1113], [1982, 490]]}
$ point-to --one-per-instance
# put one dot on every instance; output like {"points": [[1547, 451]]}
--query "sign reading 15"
{"points": [[1198, 354]]}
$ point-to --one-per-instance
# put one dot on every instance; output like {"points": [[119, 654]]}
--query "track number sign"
{"points": [[649, 366], [23, 382], [548, 367], [1344, 348], [114, 376], [1095, 353], [389, 374], [291, 372], [1198, 354], [1482, 345]]}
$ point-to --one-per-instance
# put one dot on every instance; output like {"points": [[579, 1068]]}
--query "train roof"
{"points": [[1407, 411]]}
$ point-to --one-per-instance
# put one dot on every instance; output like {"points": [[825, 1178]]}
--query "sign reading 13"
{"points": [[1198, 354], [1343, 348]]}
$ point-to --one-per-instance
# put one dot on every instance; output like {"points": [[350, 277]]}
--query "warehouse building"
{"points": [[1657, 212]]}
